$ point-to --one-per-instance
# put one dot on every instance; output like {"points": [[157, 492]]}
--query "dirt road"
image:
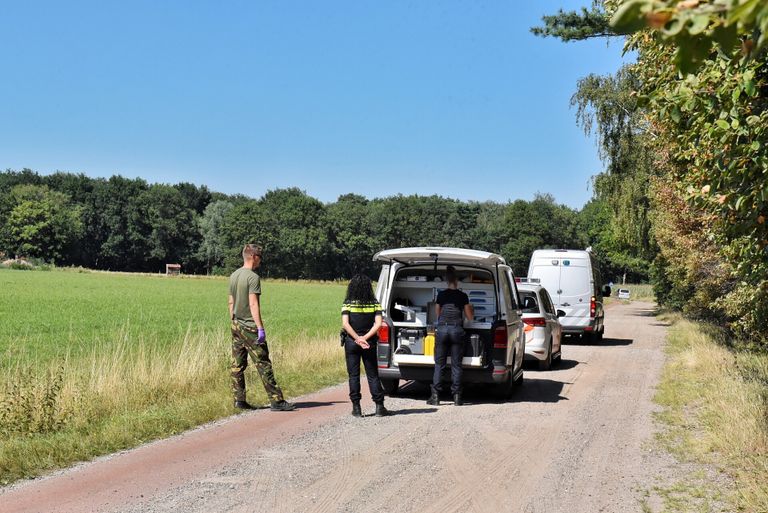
{"points": [[574, 439]]}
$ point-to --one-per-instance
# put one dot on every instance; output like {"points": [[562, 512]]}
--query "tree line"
{"points": [[125, 224], [683, 132]]}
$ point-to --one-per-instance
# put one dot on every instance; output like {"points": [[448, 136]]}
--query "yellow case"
{"points": [[429, 344]]}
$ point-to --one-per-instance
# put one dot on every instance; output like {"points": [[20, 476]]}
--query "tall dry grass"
{"points": [[126, 392], [717, 409]]}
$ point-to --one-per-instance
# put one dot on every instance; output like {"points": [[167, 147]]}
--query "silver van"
{"points": [[573, 280], [408, 285]]}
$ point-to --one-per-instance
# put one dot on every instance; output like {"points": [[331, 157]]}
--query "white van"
{"points": [[407, 288], [573, 280]]}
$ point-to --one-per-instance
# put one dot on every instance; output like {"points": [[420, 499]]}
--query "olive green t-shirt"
{"points": [[242, 283]]}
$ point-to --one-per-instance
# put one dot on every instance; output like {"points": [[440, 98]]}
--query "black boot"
{"points": [[356, 411], [457, 399], [244, 405], [433, 400], [381, 411]]}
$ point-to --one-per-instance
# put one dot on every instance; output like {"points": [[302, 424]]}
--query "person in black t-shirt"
{"points": [[452, 306], [361, 319]]}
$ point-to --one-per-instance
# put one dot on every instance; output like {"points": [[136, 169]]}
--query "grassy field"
{"points": [[716, 412], [637, 291], [96, 362]]}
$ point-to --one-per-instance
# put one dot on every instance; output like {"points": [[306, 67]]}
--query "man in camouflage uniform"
{"points": [[248, 335]]}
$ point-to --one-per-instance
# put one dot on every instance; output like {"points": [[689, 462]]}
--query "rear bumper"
{"points": [[586, 325], [537, 347], [497, 375]]}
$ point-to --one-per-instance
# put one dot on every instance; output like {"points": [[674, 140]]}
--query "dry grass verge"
{"points": [[716, 410], [126, 393]]}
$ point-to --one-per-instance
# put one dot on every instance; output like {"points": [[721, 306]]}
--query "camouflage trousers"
{"points": [[244, 343]]}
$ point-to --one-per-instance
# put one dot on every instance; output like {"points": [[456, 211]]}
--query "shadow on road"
{"points": [[540, 391], [533, 391], [532, 365], [615, 342], [410, 411], [607, 341], [646, 312], [315, 404]]}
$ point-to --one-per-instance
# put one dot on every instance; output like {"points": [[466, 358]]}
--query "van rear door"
{"points": [[575, 291], [547, 270]]}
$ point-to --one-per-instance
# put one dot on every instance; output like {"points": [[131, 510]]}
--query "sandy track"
{"points": [[574, 439]]}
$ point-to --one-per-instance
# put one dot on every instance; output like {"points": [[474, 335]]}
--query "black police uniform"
{"points": [[362, 317], [449, 338]]}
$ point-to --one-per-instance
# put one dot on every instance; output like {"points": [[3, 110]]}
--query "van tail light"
{"points": [[384, 333], [535, 321], [592, 307], [500, 338]]}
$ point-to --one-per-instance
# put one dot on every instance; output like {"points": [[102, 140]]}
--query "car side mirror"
{"points": [[560, 313], [607, 291]]}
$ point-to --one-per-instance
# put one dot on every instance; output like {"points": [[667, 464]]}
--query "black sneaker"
{"points": [[282, 406], [244, 405]]}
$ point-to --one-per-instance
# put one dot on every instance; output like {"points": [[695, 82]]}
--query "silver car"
{"points": [[543, 332]]}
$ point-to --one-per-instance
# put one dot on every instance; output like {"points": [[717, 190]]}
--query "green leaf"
{"points": [[673, 27], [628, 18], [722, 124], [735, 123], [698, 24], [755, 145], [749, 87], [751, 120], [727, 37]]}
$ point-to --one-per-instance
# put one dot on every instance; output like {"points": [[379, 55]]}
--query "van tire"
{"points": [[390, 386], [546, 363], [519, 381], [504, 390]]}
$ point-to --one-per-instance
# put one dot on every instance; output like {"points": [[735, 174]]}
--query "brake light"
{"points": [[384, 333], [592, 307], [535, 321], [500, 338]]}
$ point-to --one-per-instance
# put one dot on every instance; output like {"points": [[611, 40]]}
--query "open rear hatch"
{"points": [[411, 308]]}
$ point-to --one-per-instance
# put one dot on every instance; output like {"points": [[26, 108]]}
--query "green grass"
{"points": [[46, 315], [637, 291], [97, 362], [715, 412]]}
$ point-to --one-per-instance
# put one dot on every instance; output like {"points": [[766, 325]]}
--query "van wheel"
{"points": [[504, 390], [546, 363], [519, 381], [390, 386]]}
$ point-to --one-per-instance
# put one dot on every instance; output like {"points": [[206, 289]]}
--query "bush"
{"points": [[20, 265], [747, 307]]}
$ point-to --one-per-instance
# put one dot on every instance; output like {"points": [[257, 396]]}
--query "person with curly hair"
{"points": [[361, 319]]}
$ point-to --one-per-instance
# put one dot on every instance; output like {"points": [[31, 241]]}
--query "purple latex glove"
{"points": [[262, 336]]}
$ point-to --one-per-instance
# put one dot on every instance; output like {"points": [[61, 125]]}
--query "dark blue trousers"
{"points": [[448, 340], [354, 354]]}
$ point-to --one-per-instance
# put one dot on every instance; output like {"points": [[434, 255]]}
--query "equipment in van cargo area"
{"points": [[413, 339], [409, 282]]}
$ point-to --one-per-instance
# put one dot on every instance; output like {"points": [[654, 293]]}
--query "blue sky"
{"points": [[445, 97]]}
